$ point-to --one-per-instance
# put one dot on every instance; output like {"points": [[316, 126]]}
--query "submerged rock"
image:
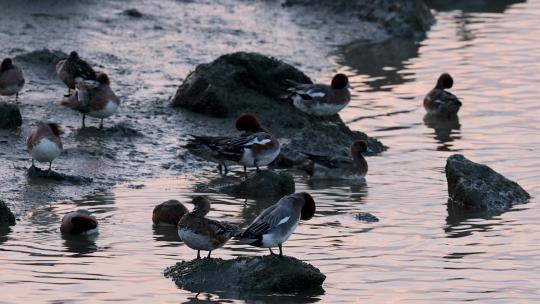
{"points": [[7, 218], [132, 12], [35, 172], [266, 183], [44, 57], [479, 188], [266, 273], [401, 18], [367, 217], [10, 116], [249, 82]]}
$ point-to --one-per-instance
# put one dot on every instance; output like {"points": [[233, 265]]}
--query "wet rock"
{"points": [[44, 57], [477, 187], [367, 217], [35, 172], [7, 218], [266, 183], [132, 12], [401, 18], [249, 82], [266, 273], [472, 6], [10, 116]]}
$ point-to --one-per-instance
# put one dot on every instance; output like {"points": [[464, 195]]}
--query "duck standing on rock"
{"points": [[79, 222], [93, 98], [327, 167], [74, 69], [321, 99], [276, 223], [255, 147], [168, 213], [441, 103], [201, 233], [11, 79], [45, 144]]}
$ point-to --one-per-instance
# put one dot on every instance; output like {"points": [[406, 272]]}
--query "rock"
{"points": [[132, 12], [400, 18], [366, 217], [477, 187], [44, 57], [10, 116], [7, 218], [249, 82], [266, 273], [35, 172], [265, 183]]}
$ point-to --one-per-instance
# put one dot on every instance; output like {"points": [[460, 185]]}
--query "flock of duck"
{"points": [[89, 93]]}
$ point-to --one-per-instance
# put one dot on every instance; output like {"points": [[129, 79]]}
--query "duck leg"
{"points": [[33, 164], [198, 254], [83, 118], [257, 166], [245, 172], [209, 252], [101, 124], [271, 252], [49, 171], [280, 251], [17, 97]]}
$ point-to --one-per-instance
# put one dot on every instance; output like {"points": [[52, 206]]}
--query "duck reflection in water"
{"points": [[446, 130]]}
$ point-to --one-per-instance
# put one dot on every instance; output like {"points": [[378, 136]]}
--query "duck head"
{"points": [[308, 209], [57, 130], [340, 81], [102, 78], [73, 55], [445, 81], [7, 63], [248, 122], [358, 147], [202, 205]]}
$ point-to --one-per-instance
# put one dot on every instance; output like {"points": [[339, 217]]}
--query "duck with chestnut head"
{"points": [[441, 103], [168, 213], [254, 147], [79, 222], [44, 144], [334, 167], [321, 99], [276, 224], [11, 79], [201, 233]]}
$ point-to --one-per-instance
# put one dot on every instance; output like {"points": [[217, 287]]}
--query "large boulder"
{"points": [[266, 273], [10, 116], [249, 82], [477, 187], [400, 18], [7, 218]]}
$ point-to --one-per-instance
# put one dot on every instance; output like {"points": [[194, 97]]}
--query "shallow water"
{"points": [[417, 252]]}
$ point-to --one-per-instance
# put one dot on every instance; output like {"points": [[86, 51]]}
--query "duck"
{"points": [[45, 144], [254, 147], [74, 69], [93, 98], [201, 233], [321, 99], [276, 224], [11, 79], [441, 103], [168, 213], [79, 222], [328, 167]]}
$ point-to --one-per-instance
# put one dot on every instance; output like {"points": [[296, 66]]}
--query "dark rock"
{"points": [[43, 57], [401, 18], [473, 6], [266, 183], [7, 218], [266, 273], [132, 12], [10, 116], [367, 217], [35, 172], [477, 187], [249, 82]]}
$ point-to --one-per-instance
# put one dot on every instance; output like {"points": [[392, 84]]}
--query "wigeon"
{"points": [[93, 98], [11, 79], [168, 213], [275, 224], [74, 69], [201, 233], [439, 102], [321, 99], [79, 222], [321, 166], [44, 144], [255, 147]]}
